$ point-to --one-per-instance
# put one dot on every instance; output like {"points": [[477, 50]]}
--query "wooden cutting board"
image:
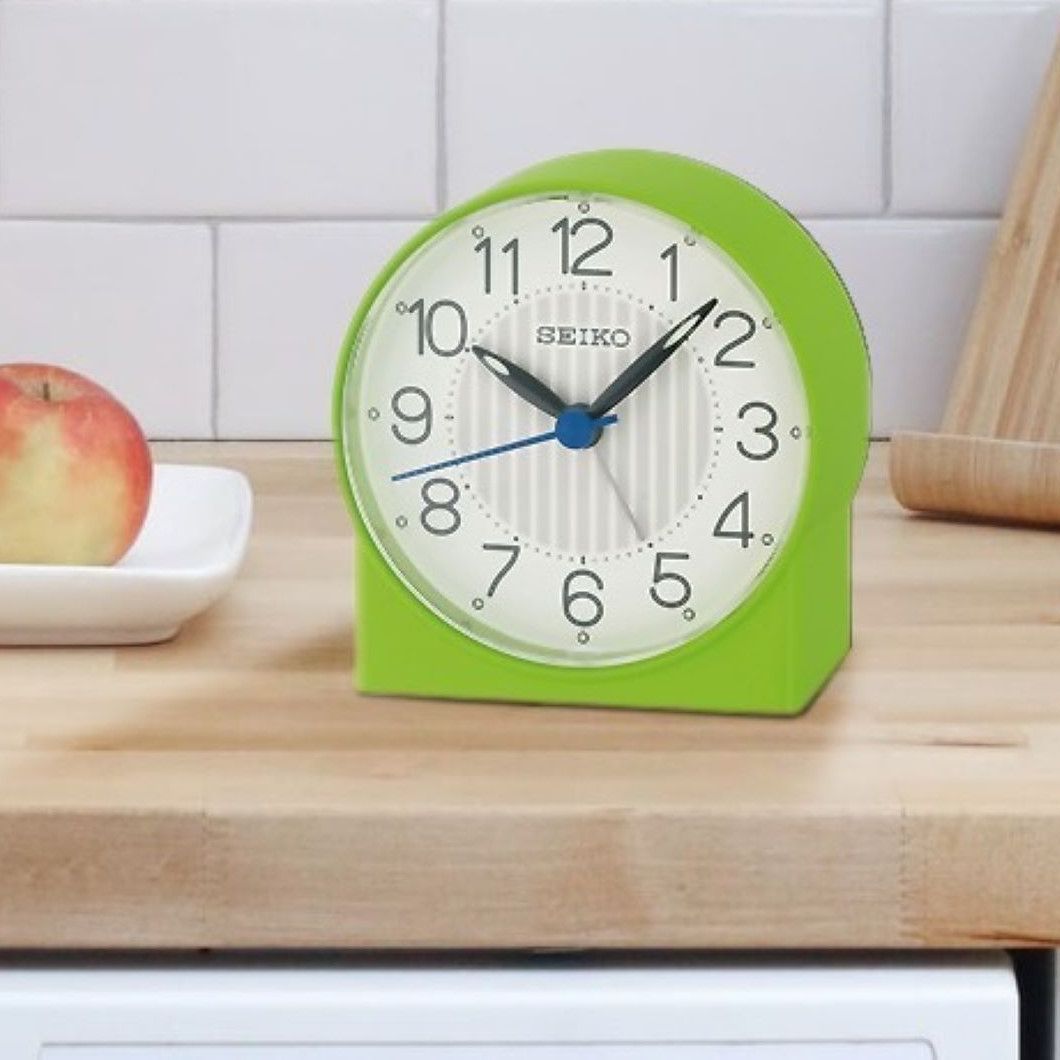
{"points": [[997, 454]]}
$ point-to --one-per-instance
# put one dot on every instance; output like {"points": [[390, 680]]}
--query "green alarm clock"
{"points": [[600, 428]]}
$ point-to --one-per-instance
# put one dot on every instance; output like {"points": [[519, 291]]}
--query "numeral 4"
{"points": [[738, 511]]}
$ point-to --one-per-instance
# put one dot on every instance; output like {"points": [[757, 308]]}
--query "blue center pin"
{"points": [[576, 429]]}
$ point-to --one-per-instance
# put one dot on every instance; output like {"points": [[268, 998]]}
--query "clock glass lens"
{"points": [[575, 429]]}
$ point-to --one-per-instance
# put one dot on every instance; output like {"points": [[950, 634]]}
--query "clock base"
{"points": [[772, 657]]}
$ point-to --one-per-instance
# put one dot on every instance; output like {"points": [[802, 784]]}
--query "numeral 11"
{"points": [[485, 248]]}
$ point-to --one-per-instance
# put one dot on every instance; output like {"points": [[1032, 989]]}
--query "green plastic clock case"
{"points": [[779, 647]]}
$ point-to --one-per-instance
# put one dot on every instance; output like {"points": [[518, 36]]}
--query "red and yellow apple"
{"points": [[75, 469]]}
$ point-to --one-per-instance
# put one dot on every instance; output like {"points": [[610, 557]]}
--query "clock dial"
{"points": [[575, 429]]}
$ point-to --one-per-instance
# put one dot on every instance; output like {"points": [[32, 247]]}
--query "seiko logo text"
{"points": [[568, 335]]}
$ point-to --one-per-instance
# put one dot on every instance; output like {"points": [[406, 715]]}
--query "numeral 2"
{"points": [[720, 359]]}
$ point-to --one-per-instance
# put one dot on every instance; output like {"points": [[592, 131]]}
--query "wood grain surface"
{"points": [[1007, 383], [230, 789], [998, 452], [985, 478]]}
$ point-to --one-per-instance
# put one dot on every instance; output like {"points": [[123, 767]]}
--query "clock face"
{"points": [[575, 430]]}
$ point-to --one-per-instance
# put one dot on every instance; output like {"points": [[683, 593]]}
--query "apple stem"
{"points": [[47, 390]]}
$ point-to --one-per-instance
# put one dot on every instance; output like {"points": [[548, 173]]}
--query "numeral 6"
{"points": [[572, 596]]}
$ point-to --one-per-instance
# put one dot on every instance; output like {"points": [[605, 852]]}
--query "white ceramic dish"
{"points": [[187, 556]]}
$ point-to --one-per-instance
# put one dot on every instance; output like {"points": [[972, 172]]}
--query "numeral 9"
{"points": [[420, 413]]}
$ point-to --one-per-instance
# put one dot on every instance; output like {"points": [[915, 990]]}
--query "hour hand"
{"points": [[520, 382]]}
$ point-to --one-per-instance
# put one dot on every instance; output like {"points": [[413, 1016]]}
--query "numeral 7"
{"points": [[513, 554]]}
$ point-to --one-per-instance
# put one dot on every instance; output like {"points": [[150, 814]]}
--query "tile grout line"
{"points": [[146, 221], [441, 160], [4, 31], [887, 138], [215, 332], [877, 218], [211, 219]]}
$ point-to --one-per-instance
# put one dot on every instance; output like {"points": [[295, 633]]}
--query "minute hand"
{"points": [[653, 358]]}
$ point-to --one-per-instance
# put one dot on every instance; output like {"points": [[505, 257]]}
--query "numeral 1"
{"points": [[671, 253]]}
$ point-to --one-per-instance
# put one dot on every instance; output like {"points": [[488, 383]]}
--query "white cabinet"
{"points": [[640, 1051], [953, 1009]]}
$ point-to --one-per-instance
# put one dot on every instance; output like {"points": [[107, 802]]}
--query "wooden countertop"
{"points": [[230, 789]]}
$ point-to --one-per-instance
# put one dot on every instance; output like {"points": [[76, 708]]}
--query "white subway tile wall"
{"points": [[194, 196], [289, 293], [914, 283], [218, 107], [128, 305], [966, 74], [789, 95]]}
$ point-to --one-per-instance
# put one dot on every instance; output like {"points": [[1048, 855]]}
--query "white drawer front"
{"points": [[479, 1051], [892, 1009]]}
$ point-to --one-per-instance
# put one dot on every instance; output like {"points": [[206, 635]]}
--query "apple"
{"points": [[75, 469]]}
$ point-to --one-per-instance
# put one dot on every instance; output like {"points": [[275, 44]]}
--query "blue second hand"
{"points": [[495, 450]]}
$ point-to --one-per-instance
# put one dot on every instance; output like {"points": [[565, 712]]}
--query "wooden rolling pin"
{"points": [[997, 455]]}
